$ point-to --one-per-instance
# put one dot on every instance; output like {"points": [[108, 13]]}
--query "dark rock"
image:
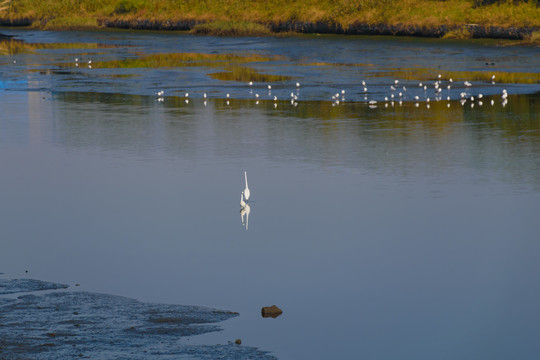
{"points": [[238, 342], [271, 311]]}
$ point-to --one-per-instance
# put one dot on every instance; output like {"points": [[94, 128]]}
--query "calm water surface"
{"points": [[391, 232]]}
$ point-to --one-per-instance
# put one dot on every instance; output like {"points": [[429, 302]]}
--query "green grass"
{"points": [[238, 17]]}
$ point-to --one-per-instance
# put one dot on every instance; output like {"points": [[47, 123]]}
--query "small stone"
{"points": [[271, 311], [238, 342]]}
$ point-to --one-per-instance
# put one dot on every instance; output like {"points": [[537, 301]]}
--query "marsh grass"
{"points": [[461, 33], [231, 28], [245, 17], [533, 39], [246, 74]]}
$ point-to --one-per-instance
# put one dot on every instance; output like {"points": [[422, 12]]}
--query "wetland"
{"points": [[384, 227]]}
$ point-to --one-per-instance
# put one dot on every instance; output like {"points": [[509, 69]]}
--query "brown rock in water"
{"points": [[271, 311], [238, 342]]}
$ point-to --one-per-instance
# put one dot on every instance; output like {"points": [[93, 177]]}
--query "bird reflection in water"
{"points": [[244, 215], [245, 209]]}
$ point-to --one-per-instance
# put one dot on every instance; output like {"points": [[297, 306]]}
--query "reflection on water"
{"points": [[244, 215], [351, 135]]}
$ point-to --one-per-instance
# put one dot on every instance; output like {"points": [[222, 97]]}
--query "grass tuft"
{"points": [[534, 38], [231, 28], [461, 33]]}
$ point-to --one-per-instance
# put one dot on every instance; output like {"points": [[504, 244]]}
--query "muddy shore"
{"points": [[476, 31]]}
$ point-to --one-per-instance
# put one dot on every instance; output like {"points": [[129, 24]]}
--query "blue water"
{"points": [[395, 232]]}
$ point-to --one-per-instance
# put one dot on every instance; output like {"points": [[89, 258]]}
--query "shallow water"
{"points": [[392, 231]]}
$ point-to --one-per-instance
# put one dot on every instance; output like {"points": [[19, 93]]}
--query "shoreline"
{"points": [[474, 31]]}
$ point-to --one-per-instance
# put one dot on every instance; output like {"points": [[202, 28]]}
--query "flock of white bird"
{"points": [[439, 89]]}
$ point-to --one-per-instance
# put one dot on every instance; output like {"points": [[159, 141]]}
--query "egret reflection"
{"points": [[245, 209], [244, 215]]}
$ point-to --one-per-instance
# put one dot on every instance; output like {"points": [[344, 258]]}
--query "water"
{"points": [[387, 232]]}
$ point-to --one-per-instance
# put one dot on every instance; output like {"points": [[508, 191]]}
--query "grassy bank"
{"points": [[259, 15]]}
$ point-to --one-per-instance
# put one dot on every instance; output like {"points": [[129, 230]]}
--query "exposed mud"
{"points": [[322, 27], [27, 285], [67, 325]]}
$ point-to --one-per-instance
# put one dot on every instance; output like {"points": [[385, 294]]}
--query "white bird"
{"points": [[297, 85], [242, 202], [204, 95], [246, 190], [466, 83], [269, 87], [187, 95], [396, 82], [251, 83]]}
